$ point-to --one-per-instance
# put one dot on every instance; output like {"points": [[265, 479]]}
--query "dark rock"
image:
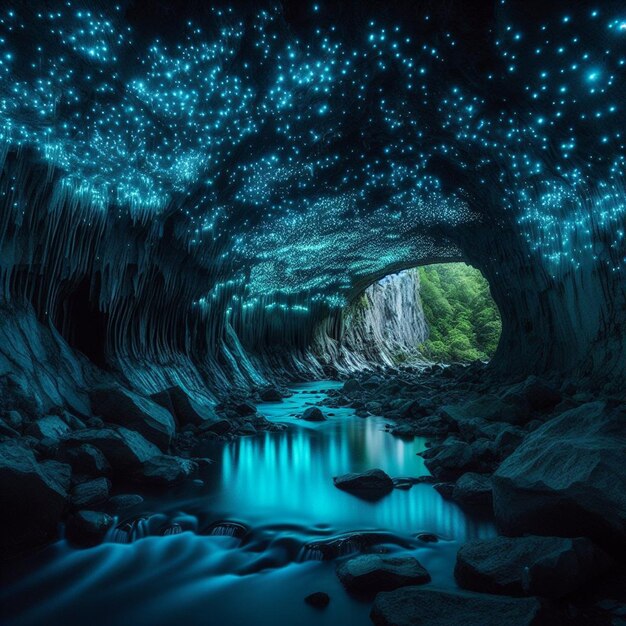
{"points": [[449, 460], [488, 407], [219, 426], [313, 414], [72, 421], [319, 599], [91, 494], [165, 470], [123, 502], [248, 429], [427, 537], [370, 485], [567, 479], [545, 566], [540, 395], [270, 394], [352, 386], [87, 459], [473, 490], [444, 489], [411, 606], [122, 406], [32, 500], [508, 441], [15, 420], [185, 409], [49, 427], [88, 527], [244, 409], [403, 431], [371, 573], [60, 472], [124, 449], [8, 431]]}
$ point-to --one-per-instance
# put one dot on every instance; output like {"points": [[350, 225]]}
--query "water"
{"points": [[245, 547]]}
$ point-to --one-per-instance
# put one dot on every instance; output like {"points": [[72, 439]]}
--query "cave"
{"points": [[312, 312]]}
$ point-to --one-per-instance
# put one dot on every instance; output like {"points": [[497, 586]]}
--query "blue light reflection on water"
{"points": [[280, 484]]}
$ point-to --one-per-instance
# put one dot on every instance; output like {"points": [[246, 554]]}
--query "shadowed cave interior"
{"points": [[312, 312]]}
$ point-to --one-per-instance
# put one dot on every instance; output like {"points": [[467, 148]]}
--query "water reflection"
{"points": [[287, 476]]}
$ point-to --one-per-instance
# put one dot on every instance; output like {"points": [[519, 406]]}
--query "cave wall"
{"points": [[202, 234]]}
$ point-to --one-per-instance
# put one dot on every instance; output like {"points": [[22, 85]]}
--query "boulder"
{"points": [[244, 409], [520, 566], [88, 527], [536, 393], [7, 431], [48, 427], [313, 414], [453, 458], [270, 394], [219, 426], [428, 606], [60, 473], [124, 449], [370, 485], [352, 385], [87, 459], [488, 407], [32, 500], [567, 479], [185, 409], [126, 408], [319, 599], [473, 490], [90, 494], [368, 574], [123, 502], [165, 470]]}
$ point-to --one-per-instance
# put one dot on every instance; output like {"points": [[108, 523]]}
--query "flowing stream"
{"points": [[244, 546]]}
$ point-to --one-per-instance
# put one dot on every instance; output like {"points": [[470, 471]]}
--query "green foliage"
{"points": [[464, 320]]}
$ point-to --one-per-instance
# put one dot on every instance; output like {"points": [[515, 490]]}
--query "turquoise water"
{"points": [[279, 485]]}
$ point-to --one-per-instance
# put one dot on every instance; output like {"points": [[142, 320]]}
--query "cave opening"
{"points": [[435, 313]]}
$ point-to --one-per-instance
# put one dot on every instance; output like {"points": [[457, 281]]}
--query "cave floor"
{"points": [[244, 545]]}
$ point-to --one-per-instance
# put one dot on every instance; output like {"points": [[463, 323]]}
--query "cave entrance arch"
{"points": [[440, 312]]}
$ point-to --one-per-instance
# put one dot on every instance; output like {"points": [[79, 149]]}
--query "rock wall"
{"points": [[382, 327]]}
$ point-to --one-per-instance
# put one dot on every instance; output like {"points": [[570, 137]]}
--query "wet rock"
{"points": [[508, 440], [352, 385], [319, 600], [403, 431], [248, 429], [313, 414], [185, 409], [567, 479], [87, 459], [444, 489], [371, 573], [49, 427], [427, 537], [88, 527], [270, 394], [165, 470], [123, 503], [123, 448], [72, 421], [545, 566], [14, 420], [453, 458], [32, 500], [122, 406], [473, 490], [370, 485], [218, 426], [90, 494], [410, 606]]}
